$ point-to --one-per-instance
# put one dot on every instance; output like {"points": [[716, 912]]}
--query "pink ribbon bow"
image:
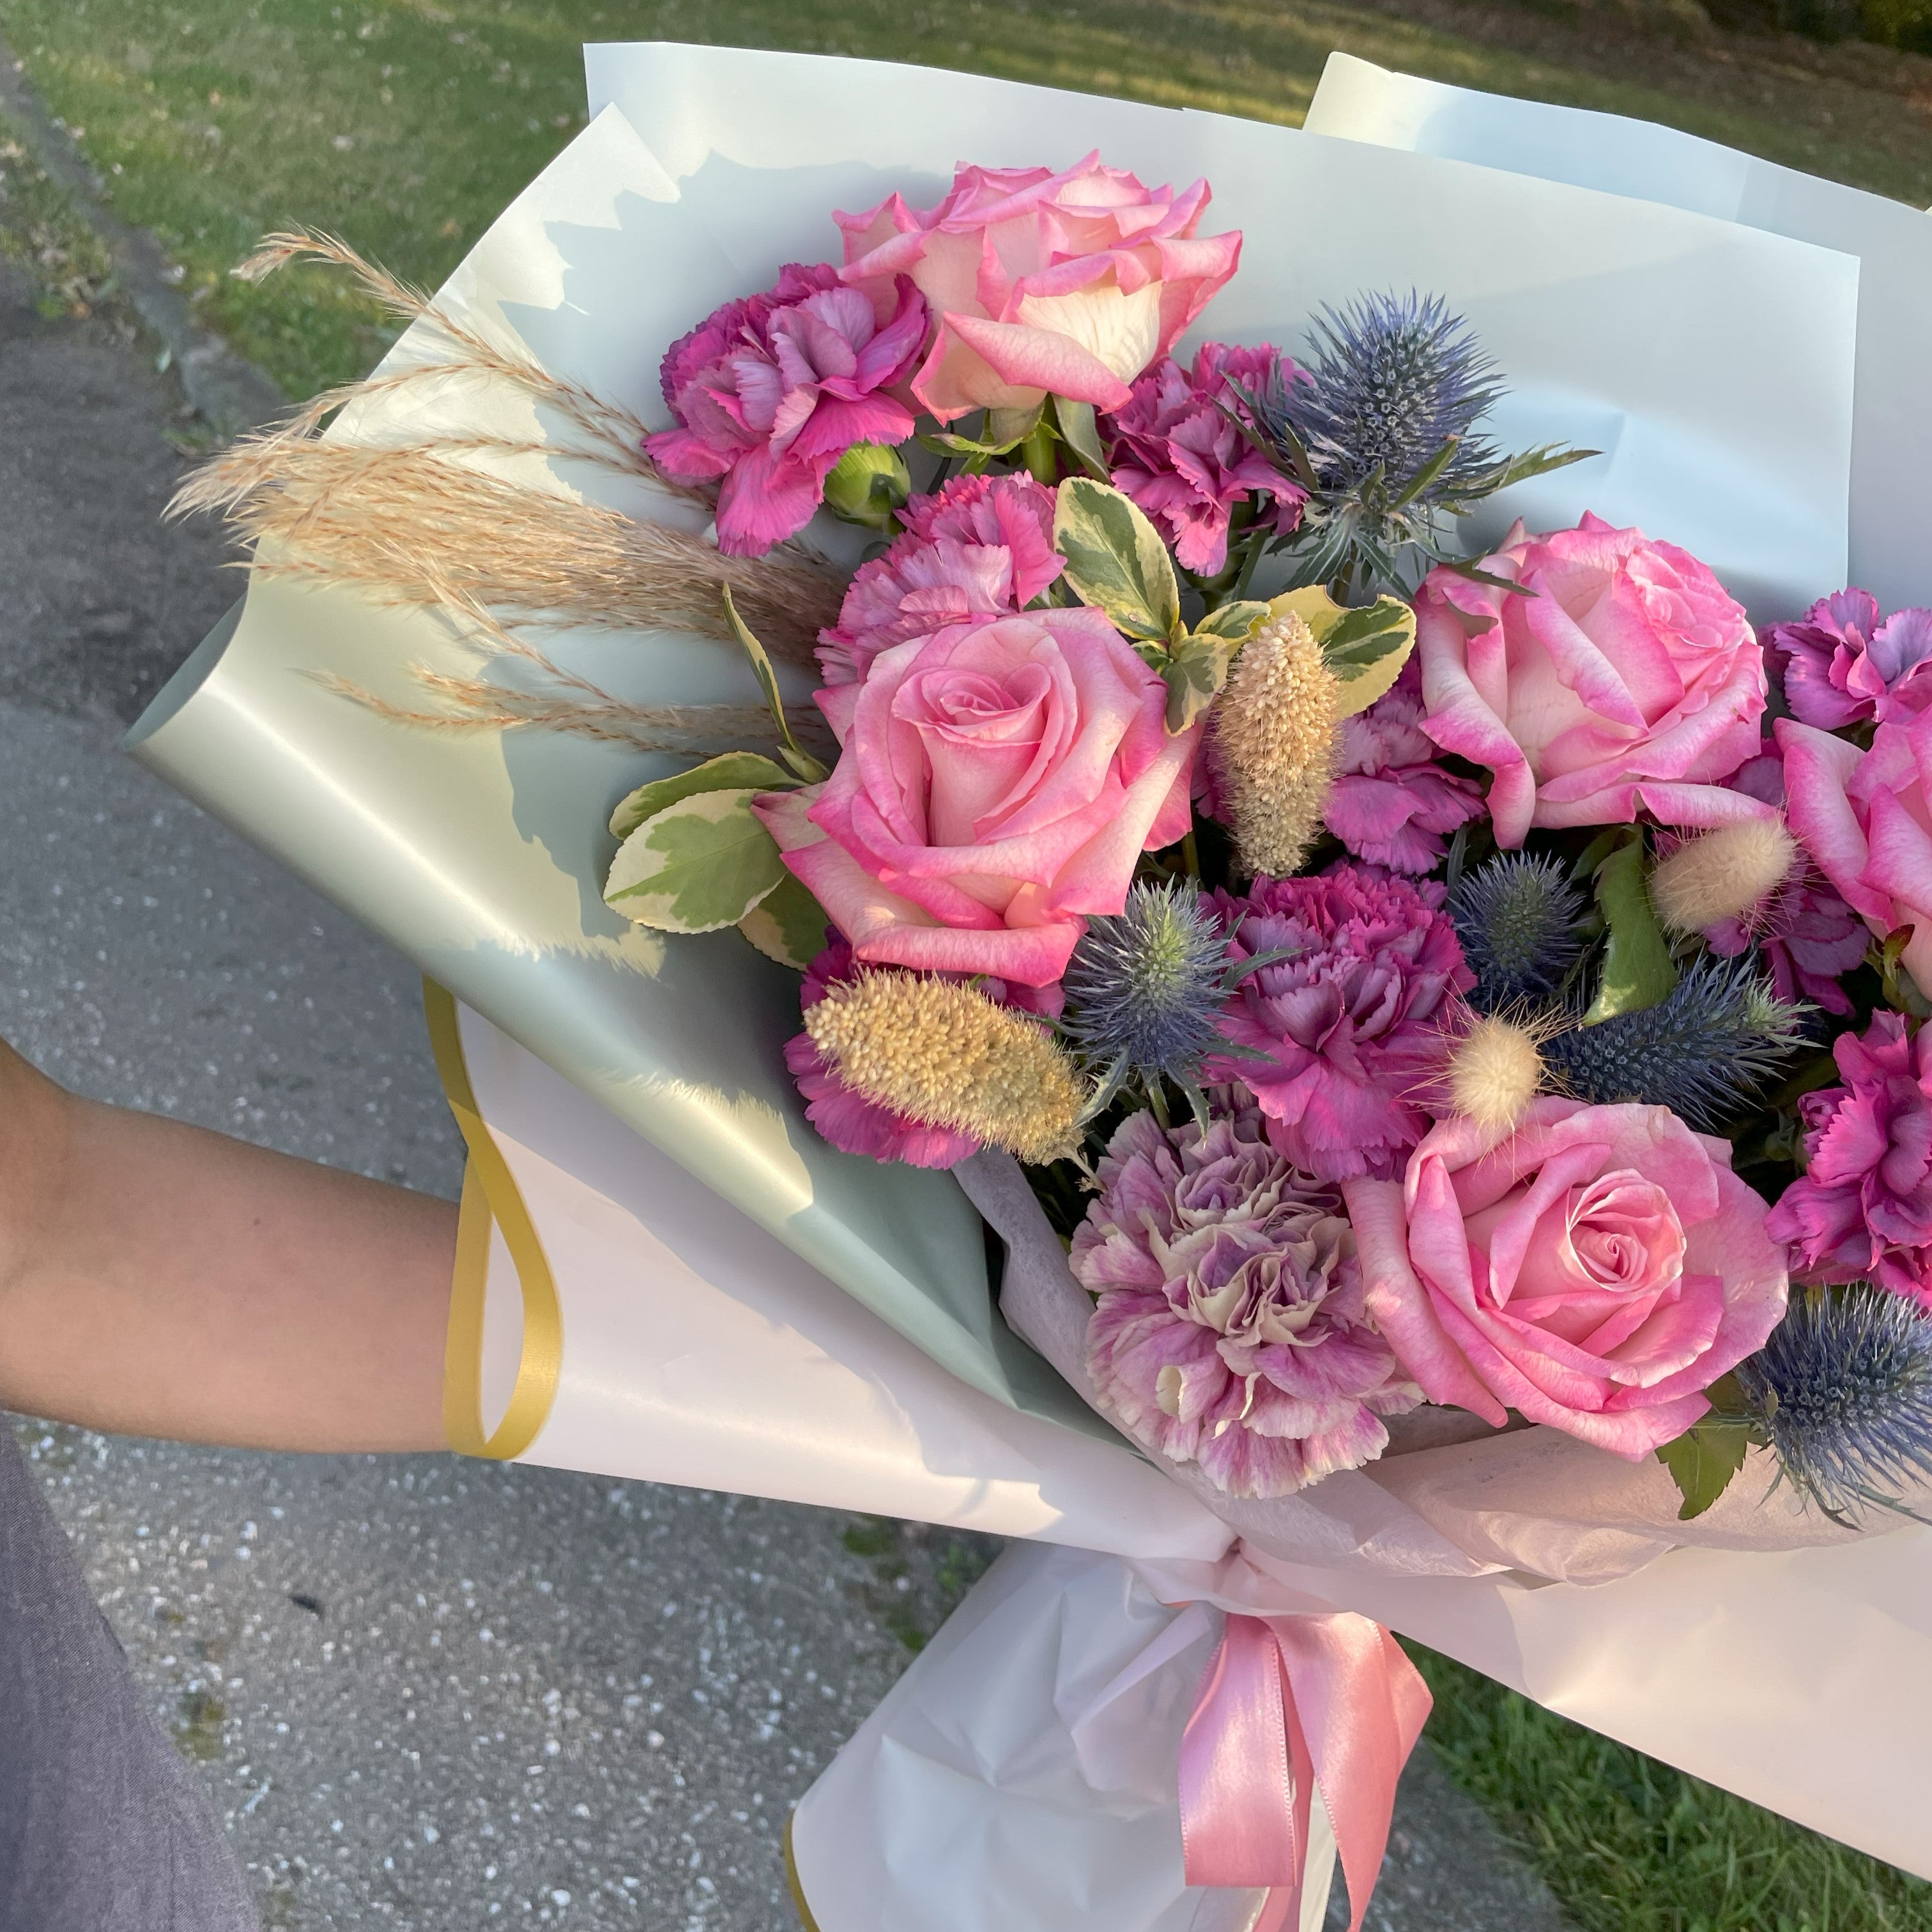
{"points": [[1288, 1705]]}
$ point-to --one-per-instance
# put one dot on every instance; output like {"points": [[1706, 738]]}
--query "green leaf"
{"points": [[1902, 992], [1006, 430], [1081, 434], [1115, 559], [722, 774], [1195, 672], [800, 760], [1637, 968], [1702, 1461], [698, 865], [787, 924], [1237, 621]]}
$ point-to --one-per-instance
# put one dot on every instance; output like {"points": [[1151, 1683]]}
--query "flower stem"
{"points": [[1191, 853], [1157, 1100]]}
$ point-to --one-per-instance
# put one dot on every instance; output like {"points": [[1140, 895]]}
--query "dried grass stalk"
{"points": [[410, 525]]}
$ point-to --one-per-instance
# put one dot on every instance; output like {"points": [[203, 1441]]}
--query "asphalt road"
{"points": [[423, 1691]]}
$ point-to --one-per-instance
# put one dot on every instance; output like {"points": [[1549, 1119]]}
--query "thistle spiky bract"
{"points": [[1379, 429], [1702, 1052], [1843, 1393], [1517, 919]]}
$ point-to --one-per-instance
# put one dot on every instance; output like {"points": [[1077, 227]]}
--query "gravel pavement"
{"points": [[423, 1691]]}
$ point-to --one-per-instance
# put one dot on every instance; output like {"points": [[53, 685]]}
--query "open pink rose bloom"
{"points": [[1866, 817], [1596, 1270], [1629, 681], [1040, 283], [998, 780]]}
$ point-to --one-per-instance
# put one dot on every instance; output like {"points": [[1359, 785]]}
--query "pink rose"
{"points": [[1866, 817], [981, 546], [997, 781], [1596, 1270], [1071, 283], [1628, 681], [770, 392]]}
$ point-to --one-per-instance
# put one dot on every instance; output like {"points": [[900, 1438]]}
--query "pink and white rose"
{"points": [[997, 782], [1068, 284], [1595, 1270], [1627, 680]]}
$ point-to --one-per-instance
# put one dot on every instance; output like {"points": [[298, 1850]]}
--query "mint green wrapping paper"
{"points": [[480, 856]]}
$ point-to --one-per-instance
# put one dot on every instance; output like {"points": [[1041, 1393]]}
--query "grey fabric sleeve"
{"points": [[102, 1827]]}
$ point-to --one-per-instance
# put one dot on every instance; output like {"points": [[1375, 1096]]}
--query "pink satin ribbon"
{"points": [[1288, 1705]]}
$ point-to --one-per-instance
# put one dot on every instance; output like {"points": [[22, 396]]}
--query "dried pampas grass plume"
{"points": [[943, 1054], [1495, 1069], [1276, 744], [1722, 875]]}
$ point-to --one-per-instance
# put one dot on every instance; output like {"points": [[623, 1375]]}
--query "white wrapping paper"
{"points": [[1617, 321], [1891, 509]]}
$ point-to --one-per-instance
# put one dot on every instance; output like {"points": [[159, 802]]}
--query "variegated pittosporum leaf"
{"points": [[733, 769], [701, 863], [1366, 648], [787, 924], [1116, 561]]}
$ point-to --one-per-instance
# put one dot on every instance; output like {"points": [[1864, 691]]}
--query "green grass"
{"points": [[408, 123], [1630, 1845]]}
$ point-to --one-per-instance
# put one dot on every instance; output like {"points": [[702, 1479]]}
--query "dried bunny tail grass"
{"points": [[1723, 874], [469, 352], [409, 525], [944, 1054], [1275, 741], [1496, 1068]]}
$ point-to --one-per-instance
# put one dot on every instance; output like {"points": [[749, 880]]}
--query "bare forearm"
{"points": [[157, 1280]]}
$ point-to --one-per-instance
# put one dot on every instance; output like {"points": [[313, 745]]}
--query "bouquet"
{"points": [[1411, 969]]}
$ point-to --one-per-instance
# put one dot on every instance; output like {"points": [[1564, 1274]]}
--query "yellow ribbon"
{"points": [[490, 1199], [805, 1918]]}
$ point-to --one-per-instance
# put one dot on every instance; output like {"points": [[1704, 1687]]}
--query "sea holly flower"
{"points": [[980, 547], [1842, 664], [1175, 449], [1231, 1328], [1040, 283], [1862, 1209], [769, 392], [1593, 1268], [1348, 1021]]}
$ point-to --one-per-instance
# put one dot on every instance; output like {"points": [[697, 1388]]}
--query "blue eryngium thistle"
{"points": [[1516, 918], [1702, 1052], [1379, 428], [1843, 1393], [1144, 987]]}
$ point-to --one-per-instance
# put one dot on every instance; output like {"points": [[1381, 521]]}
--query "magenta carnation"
{"points": [[1174, 450], [1862, 1210], [1349, 1020], [771, 391], [1805, 933], [981, 547], [1842, 665], [1231, 1329], [1392, 803]]}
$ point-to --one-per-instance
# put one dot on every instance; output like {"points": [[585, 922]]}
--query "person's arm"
{"points": [[157, 1280]]}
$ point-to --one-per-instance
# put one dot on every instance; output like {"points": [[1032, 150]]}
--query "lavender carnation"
{"points": [[1230, 1329]]}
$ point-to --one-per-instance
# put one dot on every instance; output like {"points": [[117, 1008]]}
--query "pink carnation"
{"points": [[1176, 453], [770, 392], [1392, 803], [1862, 1210], [1841, 665], [1805, 931], [1230, 1329], [981, 547], [1350, 1020]]}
